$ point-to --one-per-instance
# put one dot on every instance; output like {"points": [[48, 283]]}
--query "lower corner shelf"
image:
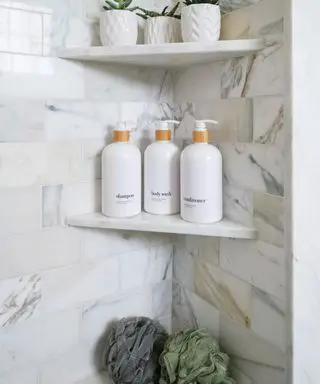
{"points": [[163, 224]]}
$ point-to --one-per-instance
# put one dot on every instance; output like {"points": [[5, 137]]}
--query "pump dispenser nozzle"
{"points": [[200, 133], [163, 132]]}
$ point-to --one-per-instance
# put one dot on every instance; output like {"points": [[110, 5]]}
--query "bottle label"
{"points": [[160, 196], [122, 199], [190, 202]]}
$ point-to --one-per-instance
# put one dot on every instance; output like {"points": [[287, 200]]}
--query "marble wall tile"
{"points": [[236, 25], [70, 120], [37, 340], [146, 266], [183, 264], [203, 248], [260, 372], [20, 210], [238, 205], [90, 168], [119, 83], [96, 316], [25, 375], [267, 17], [73, 366], [162, 299], [258, 263], [269, 213], [242, 343], [234, 117], [255, 167], [51, 205], [166, 322], [21, 121], [190, 311], [227, 293], [268, 318], [24, 254], [260, 75], [239, 376], [20, 299], [101, 244], [268, 121], [97, 379], [199, 83], [70, 286], [34, 77], [61, 201]]}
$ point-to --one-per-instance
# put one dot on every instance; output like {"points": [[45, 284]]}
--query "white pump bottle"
{"points": [[121, 176], [162, 173], [201, 179]]}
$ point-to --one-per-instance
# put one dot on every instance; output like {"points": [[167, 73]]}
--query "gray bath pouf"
{"points": [[132, 350]]}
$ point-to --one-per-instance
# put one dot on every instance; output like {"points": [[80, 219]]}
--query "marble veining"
{"points": [[51, 205], [19, 299], [227, 293]]}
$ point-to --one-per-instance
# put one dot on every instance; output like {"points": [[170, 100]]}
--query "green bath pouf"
{"points": [[133, 348], [193, 356]]}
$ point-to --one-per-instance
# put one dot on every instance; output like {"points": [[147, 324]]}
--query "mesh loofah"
{"points": [[133, 347], [194, 357]]}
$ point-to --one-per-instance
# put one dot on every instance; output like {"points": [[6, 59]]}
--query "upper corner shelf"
{"points": [[166, 55]]}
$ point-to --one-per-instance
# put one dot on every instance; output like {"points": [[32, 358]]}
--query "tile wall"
{"points": [[59, 286], [238, 288]]}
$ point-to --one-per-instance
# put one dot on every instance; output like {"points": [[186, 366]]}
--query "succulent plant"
{"points": [[113, 5], [193, 2], [165, 12]]}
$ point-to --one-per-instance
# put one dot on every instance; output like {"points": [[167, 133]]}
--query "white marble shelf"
{"points": [[166, 55], [164, 224]]}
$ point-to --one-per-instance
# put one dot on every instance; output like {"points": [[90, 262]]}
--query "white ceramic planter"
{"points": [[201, 23], [162, 30], [118, 28]]}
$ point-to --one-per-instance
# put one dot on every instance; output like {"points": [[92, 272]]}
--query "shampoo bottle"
{"points": [[162, 173], [201, 179], [121, 176]]}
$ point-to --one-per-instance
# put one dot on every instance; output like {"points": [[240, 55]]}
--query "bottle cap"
{"points": [[163, 132], [200, 133], [122, 131]]}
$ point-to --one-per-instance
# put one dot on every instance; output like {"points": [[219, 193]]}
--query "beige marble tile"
{"points": [[203, 248], [268, 318], [260, 264], [242, 343], [190, 311], [269, 213], [268, 121], [227, 293], [236, 25]]}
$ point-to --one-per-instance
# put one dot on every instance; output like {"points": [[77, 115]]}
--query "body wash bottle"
{"points": [[201, 179], [121, 176], [162, 173]]}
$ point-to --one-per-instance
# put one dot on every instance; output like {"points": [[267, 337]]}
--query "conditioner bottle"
{"points": [[201, 179], [162, 173], [121, 176]]}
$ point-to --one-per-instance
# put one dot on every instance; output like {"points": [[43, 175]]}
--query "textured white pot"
{"points": [[201, 23], [162, 30], [118, 28]]}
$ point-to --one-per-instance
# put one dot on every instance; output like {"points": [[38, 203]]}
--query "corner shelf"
{"points": [[166, 55], [163, 224]]}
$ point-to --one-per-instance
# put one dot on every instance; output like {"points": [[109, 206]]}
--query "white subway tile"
{"points": [[69, 368], [20, 210], [22, 254], [147, 266], [69, 286], [20, 299], [37, 340], [20, 375]]}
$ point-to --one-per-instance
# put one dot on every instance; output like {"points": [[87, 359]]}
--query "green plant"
{"points": [[113, 5], [165, 12], [193, 2]]}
